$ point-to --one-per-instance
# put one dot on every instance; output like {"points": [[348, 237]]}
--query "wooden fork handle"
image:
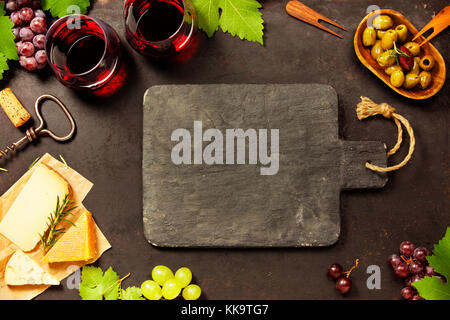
{"points": [[304, 13], [438, 24]]}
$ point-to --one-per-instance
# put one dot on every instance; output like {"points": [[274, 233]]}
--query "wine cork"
{"points": [[13, 108]]}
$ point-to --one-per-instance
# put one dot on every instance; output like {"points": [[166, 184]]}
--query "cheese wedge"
{"points": [[77, 244], [27, 218], [21, 270]]}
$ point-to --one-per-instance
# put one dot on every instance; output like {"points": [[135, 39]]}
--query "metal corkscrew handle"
{"points": [[33, 133]]}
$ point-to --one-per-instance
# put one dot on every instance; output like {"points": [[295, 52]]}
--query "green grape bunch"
{"points": [[165, 284]]}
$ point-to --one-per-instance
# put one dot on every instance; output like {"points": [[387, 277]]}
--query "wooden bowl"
{"points": [[437, 73]]}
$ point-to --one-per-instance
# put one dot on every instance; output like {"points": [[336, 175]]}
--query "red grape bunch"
{"points": [[411, 265], [342, 278], [30, 27]]}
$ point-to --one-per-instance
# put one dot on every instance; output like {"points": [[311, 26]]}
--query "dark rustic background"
{"points": [[107, 150]]}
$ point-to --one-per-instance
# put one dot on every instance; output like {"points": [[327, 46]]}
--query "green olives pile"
{"points": [[384, 38]]}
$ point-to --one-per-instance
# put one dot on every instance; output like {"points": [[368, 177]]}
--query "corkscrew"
{"points": [[33, 134]]}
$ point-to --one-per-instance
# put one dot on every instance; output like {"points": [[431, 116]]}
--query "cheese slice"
{"points": [[77, 244], [28, 216], [22, 270]]}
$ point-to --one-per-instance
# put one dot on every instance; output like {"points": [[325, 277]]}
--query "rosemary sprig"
{"points": [[64, 161], [397, 52], [49, 238], [34, 162]]}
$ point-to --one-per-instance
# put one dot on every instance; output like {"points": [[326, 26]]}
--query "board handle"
{"points": [[354, 174]]}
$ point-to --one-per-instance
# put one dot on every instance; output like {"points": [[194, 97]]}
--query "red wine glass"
{"points": [[159, 28], [83, 52]]}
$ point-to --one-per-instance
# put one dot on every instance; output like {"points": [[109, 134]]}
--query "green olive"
{"points": [[387, 42], [402, 32], [397, 78], [413, 47], [411, 80], [390, 70], [416, 67], [427, 62], [425, 79], [376, 50], [382, 22], [369, 36], [386, 59], [380, 33]]}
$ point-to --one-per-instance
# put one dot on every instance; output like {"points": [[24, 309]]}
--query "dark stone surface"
{"points": [[107, 150], [231, 205]]}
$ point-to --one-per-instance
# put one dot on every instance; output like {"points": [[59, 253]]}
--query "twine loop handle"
{"points": [[366, 108]]}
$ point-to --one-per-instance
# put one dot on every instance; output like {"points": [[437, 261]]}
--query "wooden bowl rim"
{"points": [[403, 92]]}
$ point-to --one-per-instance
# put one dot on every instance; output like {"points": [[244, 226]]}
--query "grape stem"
{"points": [[347, 273], [408, 262], [120, 281]]}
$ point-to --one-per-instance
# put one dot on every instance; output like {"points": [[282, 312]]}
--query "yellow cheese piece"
{"points": [[28, 216], [22, 270], [77, 244]]}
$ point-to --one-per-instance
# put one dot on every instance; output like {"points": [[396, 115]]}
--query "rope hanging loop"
{"points": [[367, 108]]}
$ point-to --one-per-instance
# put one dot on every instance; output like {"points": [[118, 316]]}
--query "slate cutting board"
{"points": [[234, 205]]}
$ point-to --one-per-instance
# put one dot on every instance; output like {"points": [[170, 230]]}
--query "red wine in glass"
{"points": [[159, 28], [83, 52]]}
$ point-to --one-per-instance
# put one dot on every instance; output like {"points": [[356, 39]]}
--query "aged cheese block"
{"points": [[22, 270], [27, 218], [77, 244]]}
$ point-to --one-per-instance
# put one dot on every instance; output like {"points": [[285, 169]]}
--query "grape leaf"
{"points": [[95, 285], [61, 8], [7, 44], [2, 9], [240, 18], [3, 65], [132, 293], [208, 15], [432, 288]]}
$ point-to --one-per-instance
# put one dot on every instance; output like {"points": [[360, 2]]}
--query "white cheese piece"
{"points": [[27, 218], [21, 270]]}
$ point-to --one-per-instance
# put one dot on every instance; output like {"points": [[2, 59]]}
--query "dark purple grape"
{"points": [[406, 249], [421, 254], [41, 66], [24, 3], [27, 49], [402, 270], [22, 60], [408, 282], [416, 278], [429, 271], [39, 14], [417, 297], [415, 267], [26, 14], [15, 18], [335, 271], [26, 34], [41, 57], [16, 33], [343, 285], [19, 45], [39, 41], [30, 64], [11, 6], [38, 25], [35, 4], [394, 260], [407, 293]]}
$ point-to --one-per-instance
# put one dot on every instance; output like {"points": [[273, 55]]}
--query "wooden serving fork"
{"points": [[438, 24], [304, 13]]}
